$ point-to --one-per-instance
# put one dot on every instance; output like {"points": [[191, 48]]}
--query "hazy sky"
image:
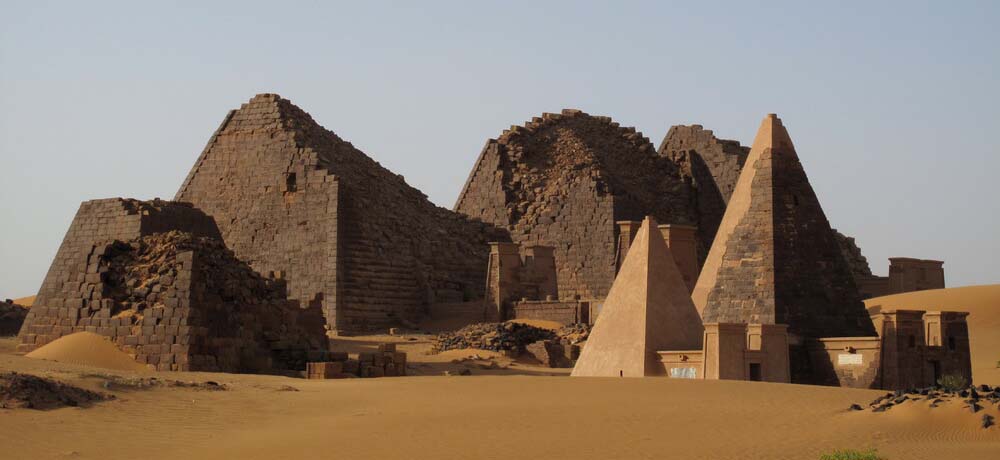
{"points": [[894, 108]]}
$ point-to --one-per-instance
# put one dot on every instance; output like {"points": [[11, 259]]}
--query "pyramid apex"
{"points": [[648, 309], [772, 135]]}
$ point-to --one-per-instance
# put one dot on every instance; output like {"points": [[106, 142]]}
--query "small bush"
{"points": [[850, 454], [952, 382]]}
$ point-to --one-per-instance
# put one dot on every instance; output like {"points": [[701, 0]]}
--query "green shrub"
{"points": [[952, 382], [850, 454]]}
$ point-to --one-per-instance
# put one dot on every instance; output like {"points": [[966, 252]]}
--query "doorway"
{"points": [[755, 373]]}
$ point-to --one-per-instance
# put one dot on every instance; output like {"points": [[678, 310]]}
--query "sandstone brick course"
{"points": [[712, 166]]}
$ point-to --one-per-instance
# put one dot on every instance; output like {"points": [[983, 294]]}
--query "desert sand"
{"points": [[87, 349], [506, 409], [983, 305], [514, 411], [26, 301]]}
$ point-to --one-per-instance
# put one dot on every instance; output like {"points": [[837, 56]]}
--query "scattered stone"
{"points": [[287, 388], [11, 317], [492, 336], [855, 407], [574, 333], [987, 421], [465, 372], [33, 392]]}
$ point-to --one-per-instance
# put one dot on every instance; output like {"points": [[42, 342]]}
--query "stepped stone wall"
{"points": [[852, 254], [182, 303], [347, 234], [564, 180], [711, 166]]}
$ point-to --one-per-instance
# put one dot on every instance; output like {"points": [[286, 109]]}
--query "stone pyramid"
{"points": [[775, 259], [563, 180], [345, 233], [647, 310]]}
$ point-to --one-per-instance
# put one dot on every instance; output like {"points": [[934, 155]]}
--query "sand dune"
{"points": [[87, 349], [493, 418], [983, 305], [26, 301], [481, 417]]}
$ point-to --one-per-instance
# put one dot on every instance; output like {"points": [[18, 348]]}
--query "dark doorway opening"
{"points": [[755, 374], [936, 366]]}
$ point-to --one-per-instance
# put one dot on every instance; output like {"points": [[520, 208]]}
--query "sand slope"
{"points": [[494, 418], [481, 417], [86, 349], [983, 304], [26, 301]]}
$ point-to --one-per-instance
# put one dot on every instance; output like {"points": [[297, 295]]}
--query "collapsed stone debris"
{"points": [[179, 302], [26, 391], [11, 317], [562, 181], [492, 336], [973, 399]]}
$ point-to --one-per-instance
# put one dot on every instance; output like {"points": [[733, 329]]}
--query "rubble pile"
{"points": [[33, 392], [574, 333], [11, 317], [492, 336], [179, 302], [974, 399]]}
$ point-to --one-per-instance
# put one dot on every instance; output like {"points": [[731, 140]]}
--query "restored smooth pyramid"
{"points": [[775, 259], [647, 310]]}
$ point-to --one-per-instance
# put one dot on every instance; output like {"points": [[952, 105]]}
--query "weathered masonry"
{"points": [[564, 180], [348, 235], [155, 279]]}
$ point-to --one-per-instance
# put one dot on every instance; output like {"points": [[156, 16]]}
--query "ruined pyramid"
{"points": [[563, 180], [775, 259], [647, 310], [294, 199]]}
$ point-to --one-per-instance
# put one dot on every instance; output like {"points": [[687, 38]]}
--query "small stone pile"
{"points": [[574, 333], [492, 336], [33, 392], [386, 362], [975, 399], [11, 317]]}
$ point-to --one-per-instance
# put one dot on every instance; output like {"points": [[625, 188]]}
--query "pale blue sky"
{"points": [[894, 107]]}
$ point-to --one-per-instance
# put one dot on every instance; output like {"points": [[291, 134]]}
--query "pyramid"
{"points": [[775, 259], [294, 199], [563, 180], [647, 310]]}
